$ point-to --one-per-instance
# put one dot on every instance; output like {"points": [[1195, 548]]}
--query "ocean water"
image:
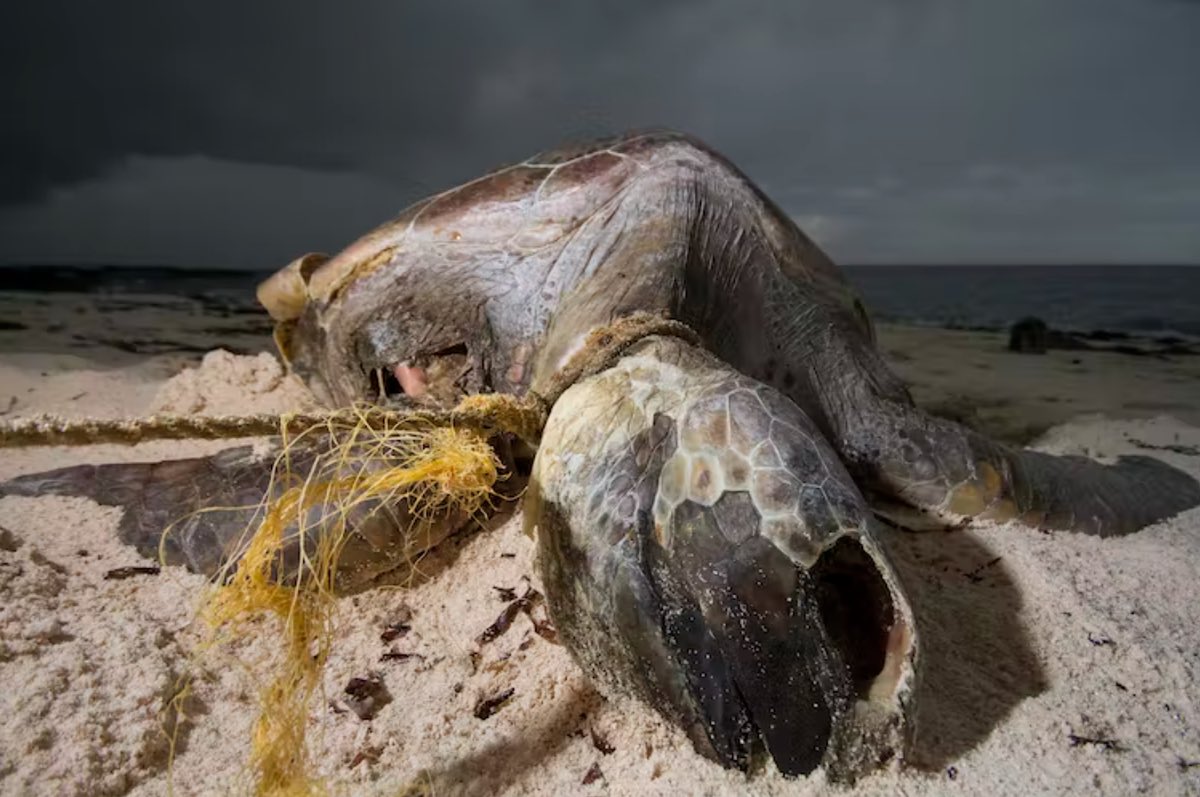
{"points": [[1142, 300]]}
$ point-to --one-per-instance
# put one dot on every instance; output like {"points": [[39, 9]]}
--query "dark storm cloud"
{"points": [[246, 132], [366, 85]]}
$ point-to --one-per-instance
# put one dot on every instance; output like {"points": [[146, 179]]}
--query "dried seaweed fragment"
{"points": [[501, 624], [526, 604], [593, 774], [398, 627], [395, 631], [601, 743], [366, 696], [1109, 745], [121, 573], [488, 706]]}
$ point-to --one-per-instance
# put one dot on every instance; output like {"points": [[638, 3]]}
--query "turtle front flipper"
{"points": [[174, 495], [703, 549], [956, 474], [200, 512]]}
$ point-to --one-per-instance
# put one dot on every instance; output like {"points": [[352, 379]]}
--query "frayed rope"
{"points": [[487, 413]]}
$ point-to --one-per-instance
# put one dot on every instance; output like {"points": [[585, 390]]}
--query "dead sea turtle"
{"points": [[703, 513]]}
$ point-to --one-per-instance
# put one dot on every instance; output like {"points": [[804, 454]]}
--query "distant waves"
{"points": [[1159, 301]]}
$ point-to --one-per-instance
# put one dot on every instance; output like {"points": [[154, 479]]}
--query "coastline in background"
{"points": [[1139, 300], [150, 310]]}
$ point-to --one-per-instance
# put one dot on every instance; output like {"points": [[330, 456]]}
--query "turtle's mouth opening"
{"points": [[861, 619], [385, 386], [438, 379]]}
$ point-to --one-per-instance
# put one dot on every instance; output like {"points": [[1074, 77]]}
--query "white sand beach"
{"points": [[1055, 663]]}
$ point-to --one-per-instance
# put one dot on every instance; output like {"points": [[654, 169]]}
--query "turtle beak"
{"points": [[285, 293]]}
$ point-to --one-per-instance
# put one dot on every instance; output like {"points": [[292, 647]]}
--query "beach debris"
{"points": [[976, 575], [488, 706], [527, 603], [1109, 745], [395, 631], [501, 624], [121, 573], [952, 773], [506, 593], [396, 655], [366, 696], [370, 754], [399, 627], [1100, 641], [593, 774], [601, 743]]}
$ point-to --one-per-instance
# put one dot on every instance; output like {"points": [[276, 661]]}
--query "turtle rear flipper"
{"points": [[955, 474], [205, 503]]}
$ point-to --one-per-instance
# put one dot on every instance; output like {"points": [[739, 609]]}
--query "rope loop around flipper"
{"points": [[606, 345], [488, 413]]}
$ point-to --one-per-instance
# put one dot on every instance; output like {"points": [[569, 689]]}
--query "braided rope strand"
{"points": [[489, 413]]}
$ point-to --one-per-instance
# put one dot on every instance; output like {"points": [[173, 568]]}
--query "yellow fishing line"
{"points": [[433, 470]]}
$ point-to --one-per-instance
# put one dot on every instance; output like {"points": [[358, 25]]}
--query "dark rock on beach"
{"points": [[1029, 336], [1032, 335]]}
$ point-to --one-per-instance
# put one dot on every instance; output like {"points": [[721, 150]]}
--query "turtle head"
{"points": [[352, 327], [703, 548]]}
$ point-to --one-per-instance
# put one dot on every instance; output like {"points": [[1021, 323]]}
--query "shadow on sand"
{"points": [[497, 766], [978, 660]]}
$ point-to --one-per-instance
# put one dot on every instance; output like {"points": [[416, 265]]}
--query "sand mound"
{"points": [[1056, 663], [228, 384]]}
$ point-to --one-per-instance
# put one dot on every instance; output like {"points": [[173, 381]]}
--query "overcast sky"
{"points": [[241, 134]]}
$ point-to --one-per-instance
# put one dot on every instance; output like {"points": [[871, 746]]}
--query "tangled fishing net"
{"points": [[334, 472], [365, 464]]}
